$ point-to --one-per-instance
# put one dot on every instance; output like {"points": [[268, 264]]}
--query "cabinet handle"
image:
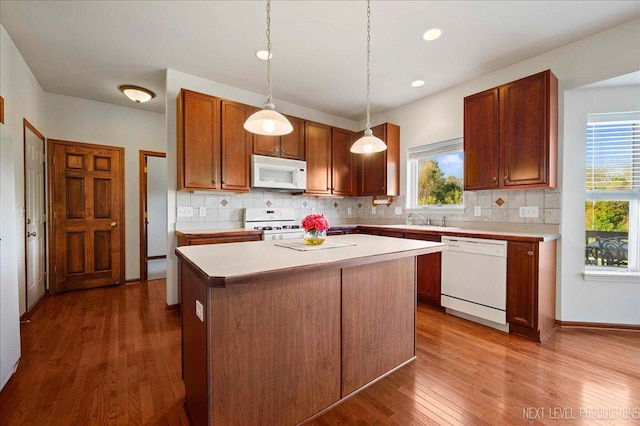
{"points": [[277, 150], [495, 178], [223, 181], [530, 253], [213, 182], [506, 178]]}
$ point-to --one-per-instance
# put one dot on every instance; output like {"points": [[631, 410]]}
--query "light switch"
{"points": [[185, 211], [529, 211], [349, 211], [202, 211], [199, 310], [477, 211], [398, 211], [373, 210]]}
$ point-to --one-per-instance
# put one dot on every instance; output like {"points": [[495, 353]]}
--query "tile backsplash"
{"points": [[225, 210]]}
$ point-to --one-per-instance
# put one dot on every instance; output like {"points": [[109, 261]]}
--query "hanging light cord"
{"points": [[269, 51], [368, 125]]}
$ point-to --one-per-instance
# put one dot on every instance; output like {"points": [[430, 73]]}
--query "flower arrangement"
{"points": [[315, 227]]}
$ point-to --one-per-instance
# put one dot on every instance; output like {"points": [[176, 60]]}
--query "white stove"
{"points": [[276, 224]]}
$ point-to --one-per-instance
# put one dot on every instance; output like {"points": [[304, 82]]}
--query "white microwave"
{"points": [[278, 173]]}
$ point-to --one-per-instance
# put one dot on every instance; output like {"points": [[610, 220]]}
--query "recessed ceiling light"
{"points": [[262, 55], [432, 34], [137, 94], [417, 83]]}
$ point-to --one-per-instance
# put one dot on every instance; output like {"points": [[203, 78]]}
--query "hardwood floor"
{"points": [[112, 356]]}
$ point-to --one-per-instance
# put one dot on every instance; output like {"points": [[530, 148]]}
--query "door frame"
{"points": [[27, 125], [143, 209], [51, 210]]}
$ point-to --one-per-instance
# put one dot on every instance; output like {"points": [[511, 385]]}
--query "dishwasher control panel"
{"points": [[476, 246]]}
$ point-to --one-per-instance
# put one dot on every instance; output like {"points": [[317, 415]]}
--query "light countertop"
{"points": [[236, 263]]}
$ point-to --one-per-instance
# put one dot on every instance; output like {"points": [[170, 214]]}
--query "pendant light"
{"points": [[268, 121], [368, 143]]}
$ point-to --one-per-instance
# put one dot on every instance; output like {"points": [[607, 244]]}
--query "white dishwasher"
{"points": [[474, 280]]}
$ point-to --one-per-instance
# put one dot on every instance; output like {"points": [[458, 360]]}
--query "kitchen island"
{"points": [[272, 335]]}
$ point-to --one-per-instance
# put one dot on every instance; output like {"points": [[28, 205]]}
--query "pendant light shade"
{"points": [[268, 121], [368, 143]]}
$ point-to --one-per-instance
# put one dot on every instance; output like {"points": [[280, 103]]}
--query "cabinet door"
{"points": [[198, 141], [524, 123], [318, 155], [235, 147], [481, 140], [428, 270], [522, 284], [342, 176], [372, 173], [292, 145], [266, 145]]}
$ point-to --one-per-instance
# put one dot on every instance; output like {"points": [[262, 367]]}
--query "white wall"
{"points": [[177, 80], [156, 206], [82, 120], [594, 301], [22, 99], [439, 117]]}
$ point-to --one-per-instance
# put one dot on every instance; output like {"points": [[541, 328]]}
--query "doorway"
{"points": [[86, 190], [153, 215], [34, 215]]}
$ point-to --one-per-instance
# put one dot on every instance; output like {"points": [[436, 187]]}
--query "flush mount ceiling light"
{"points": [[368, 143], [432, 34], [268, 121], [264, 54], [137, 94], [417, 83]]}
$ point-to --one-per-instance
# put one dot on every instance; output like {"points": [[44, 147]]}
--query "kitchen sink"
{"points": [[424, 227]]}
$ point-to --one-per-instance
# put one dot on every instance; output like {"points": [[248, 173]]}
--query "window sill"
{"points": [[618, 276]]}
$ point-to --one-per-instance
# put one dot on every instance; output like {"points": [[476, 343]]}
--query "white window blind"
{"points": [[613, 156]]}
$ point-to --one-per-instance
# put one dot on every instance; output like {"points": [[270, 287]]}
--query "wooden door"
{"points": [[318, 155], [524, 123], [342, 173], [87, 204], [522, 284], [481, 140], [198, 141], [236, 147], [35, 214], [292, 144]]}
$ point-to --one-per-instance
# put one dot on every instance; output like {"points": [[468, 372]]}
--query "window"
{"points": [[434, 176], [612, 207]]}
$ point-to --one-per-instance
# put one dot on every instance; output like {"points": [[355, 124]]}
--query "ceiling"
{"points": [[87, 49]]}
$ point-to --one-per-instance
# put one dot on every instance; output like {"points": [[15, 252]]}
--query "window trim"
{"points": [[431, 149]]}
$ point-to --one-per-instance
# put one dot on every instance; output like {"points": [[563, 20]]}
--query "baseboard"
{"points": [[600, 325], [174, 307], [132, 280]]}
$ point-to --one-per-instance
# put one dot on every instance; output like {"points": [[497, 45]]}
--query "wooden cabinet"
{"points": [[214, 149], [286, 146], [199, 238], [531, 279], [428, 270], [198, 141], [510, 135], [318, 157], [342, 163], [379, 173], [385, 232], [235, 147]]}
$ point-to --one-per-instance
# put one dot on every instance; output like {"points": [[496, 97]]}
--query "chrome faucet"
{"points": [[419, 216], [444, 221]]}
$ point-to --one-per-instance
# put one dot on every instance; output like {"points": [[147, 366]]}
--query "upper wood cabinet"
{"points": [[198, 141], [286, 146], [214, 149], [510, 135], [342, 163], [318, 157], [379, 173], [235, 147]]}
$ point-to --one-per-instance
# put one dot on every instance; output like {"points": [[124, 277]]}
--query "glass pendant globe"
{"points": [[368, 144], [268, 122]]}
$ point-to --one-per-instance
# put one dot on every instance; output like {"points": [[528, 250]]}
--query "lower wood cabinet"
{"points": [[531, 288], [428, 270]]}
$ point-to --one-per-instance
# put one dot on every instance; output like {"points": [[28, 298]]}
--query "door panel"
{"points": [[35, 214], [88, 206]]}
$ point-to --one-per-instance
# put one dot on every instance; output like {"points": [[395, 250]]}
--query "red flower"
{"points": [[315, 221]]}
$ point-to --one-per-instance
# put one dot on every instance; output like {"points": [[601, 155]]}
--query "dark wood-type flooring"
{"points": [[112, 356]]}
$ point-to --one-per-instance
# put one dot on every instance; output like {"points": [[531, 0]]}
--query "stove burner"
{"points": [[291, 227]]}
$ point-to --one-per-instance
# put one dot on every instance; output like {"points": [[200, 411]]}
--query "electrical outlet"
{"points": [[202, 211], [349, 211], [185, 211], [373, 210], [477, 211], [313, 209], [199, 310], [529, 211], [398, 211]]}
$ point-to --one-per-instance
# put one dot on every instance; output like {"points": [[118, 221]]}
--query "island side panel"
{"points": [[378, 320], [194, 345], [275, 349]]}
